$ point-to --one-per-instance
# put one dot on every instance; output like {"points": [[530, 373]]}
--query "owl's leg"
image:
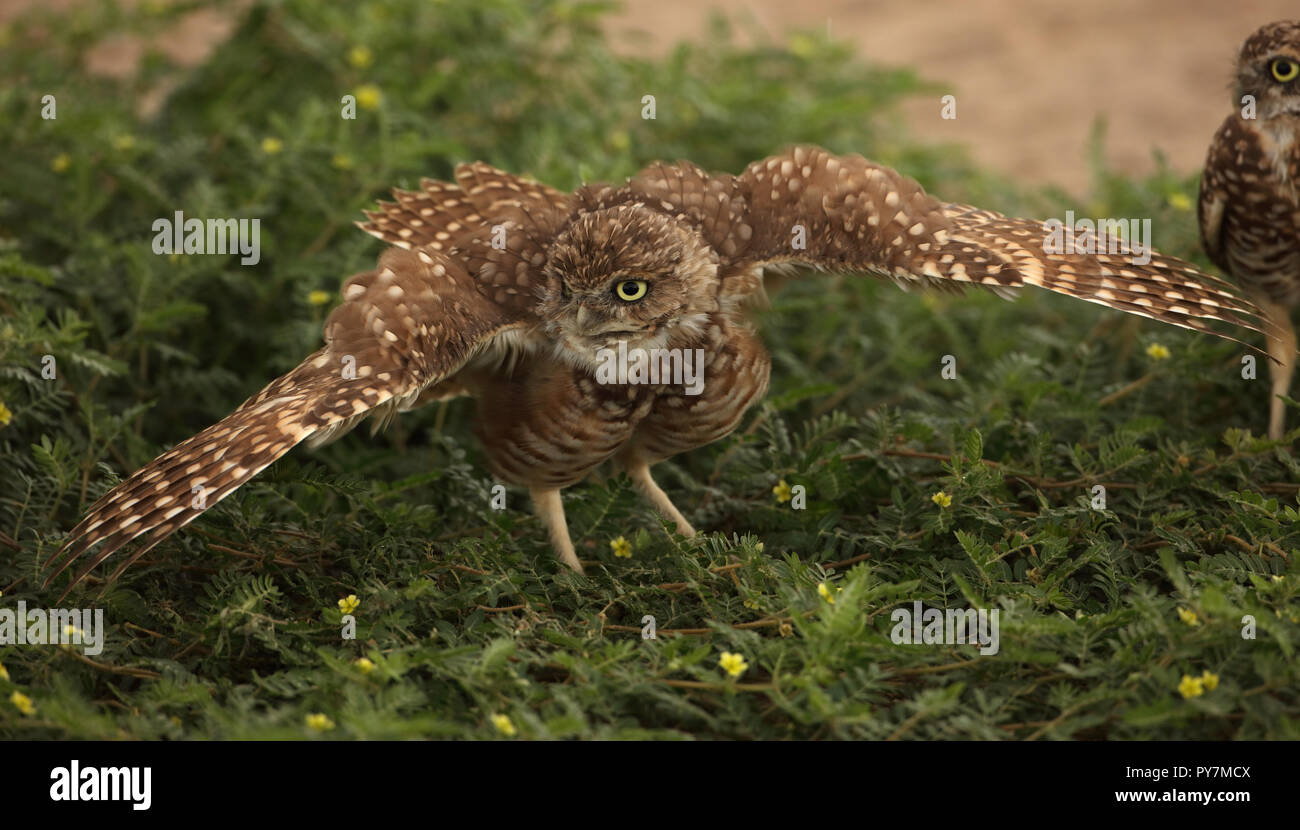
{"points": [[550, 509], [639, 471], [1283, 350]]}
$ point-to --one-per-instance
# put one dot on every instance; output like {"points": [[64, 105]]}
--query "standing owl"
{"points": [[1249, 207], [517, 294]]}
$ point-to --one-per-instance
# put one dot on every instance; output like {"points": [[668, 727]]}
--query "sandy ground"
{"points": [[1029, 77]]}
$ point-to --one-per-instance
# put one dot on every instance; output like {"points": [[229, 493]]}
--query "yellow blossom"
{"points": [[369, 96], [319, 297], [341, 161], [751, 605], [5, 415], [942, 499], [620, 140], [825, 592], [360, 56], [1157, 352], [320, 722], [1188, 616], [271, 145], [622, 547], [759, 547], [1179, 201], [1191, 686], [1274, 577], [782, 491], [4, 673], [803, 46], [23, 702], [786, 630], [122, 143], [1210, 680], [504, 725], [349, 604], [61, 162], [365, 664], [732, 663]]}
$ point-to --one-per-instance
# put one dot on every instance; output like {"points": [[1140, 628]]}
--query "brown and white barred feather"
{"points": [[411, 322], [859, 216]]}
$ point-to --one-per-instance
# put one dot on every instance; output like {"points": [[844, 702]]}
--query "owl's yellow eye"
{"points": [[629, 291], [1284, 69]]}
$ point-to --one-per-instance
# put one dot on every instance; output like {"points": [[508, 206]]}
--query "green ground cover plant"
{"points": [[973, 492]]}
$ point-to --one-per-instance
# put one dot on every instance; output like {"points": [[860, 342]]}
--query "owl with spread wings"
{"points": [[510, 291]]}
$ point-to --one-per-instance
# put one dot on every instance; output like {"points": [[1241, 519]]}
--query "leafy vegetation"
{"points": [[231, 629]]}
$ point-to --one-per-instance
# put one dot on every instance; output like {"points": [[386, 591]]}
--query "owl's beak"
{"points": [[584, 318]]}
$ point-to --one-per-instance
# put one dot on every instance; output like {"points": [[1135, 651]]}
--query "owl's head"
{"points": [[1269, 70], [628, 273]]}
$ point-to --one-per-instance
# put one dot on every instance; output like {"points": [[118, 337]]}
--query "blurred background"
{"points": [[1031, 77]]}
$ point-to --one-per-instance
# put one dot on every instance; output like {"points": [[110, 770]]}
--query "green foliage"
{"points": [[231, 629]]}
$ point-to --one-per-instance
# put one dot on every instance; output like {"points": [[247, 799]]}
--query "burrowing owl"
{"points": [[1250, 205], [517, 294]]}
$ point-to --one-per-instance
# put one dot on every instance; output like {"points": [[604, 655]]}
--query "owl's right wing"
{"points": [[808, 208], [413, 322]]}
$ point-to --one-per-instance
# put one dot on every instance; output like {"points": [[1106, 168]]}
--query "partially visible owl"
{"points": [[518, 295], [1249, 207]]}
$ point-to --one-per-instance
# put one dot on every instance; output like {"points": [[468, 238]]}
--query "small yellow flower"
{"points": [[319, 297], [1188, 617], [1191, 686], [1274, 577], [4, 673], [5, 415], [360, 56], [1179, 201], [622, 547], [365, 664], [61, 162], [341, 161], [825, 592], [786, 630], [1157, 352], [782, 491], [751, 605], [942, 499], [1210, 680], [73, 631], [369, 96], [759, 547], [271, 145], [803, 46], [23, 702], [349, 604], [122, 143], [732, 663], [320, 722], [620, 140], [504, 725]]}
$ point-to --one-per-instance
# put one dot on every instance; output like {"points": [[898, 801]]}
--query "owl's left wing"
{"points": [[808, 208]]}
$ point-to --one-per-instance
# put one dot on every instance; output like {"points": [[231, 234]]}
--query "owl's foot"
{"points": [[550, 509], [639, 471]]}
